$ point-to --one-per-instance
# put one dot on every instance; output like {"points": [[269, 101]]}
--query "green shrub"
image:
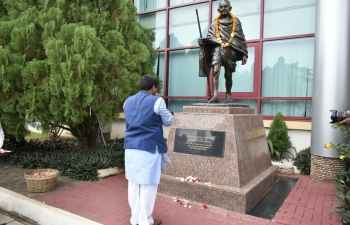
{"points": [[342, 148], [342, 184], [302, 161], [278, 140], [342, 178], [342, 181], [343, 200], [66, 156]]}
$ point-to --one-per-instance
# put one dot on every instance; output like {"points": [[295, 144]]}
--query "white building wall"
{"points": [[301, 139]]}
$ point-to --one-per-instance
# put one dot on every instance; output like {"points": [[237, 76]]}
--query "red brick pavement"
{"points": [[105, 201]]}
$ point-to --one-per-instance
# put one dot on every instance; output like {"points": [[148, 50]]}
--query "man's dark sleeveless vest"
{"points": [[144, 129]]}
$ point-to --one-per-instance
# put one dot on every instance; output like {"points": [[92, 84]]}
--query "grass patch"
{"points": [[34, 135]]}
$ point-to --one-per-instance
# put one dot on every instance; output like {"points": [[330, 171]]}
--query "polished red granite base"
{"points": [[239, 178]]}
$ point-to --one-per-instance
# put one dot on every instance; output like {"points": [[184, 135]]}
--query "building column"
{"points": [[331, 87]]}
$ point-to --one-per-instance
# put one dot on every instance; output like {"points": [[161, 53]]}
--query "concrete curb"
{"points": [[286, 163], [102, 173], [38, 211]]}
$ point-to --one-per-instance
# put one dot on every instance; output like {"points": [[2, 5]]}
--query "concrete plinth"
{"points": [[228, 149]]}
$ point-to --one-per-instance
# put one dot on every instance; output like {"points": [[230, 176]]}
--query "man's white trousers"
{"points": [[141, 198]]}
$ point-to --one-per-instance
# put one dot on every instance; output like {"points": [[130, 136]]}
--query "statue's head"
{"points": [[224, 7]]}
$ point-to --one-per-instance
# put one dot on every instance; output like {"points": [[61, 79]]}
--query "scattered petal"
{"points": [[192, 179]]}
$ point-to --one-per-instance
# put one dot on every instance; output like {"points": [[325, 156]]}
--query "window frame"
{"points": [[256, 43]]}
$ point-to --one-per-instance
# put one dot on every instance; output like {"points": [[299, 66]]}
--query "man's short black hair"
{"points": [[147, 82]]}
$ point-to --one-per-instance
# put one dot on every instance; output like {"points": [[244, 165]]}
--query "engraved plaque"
{"points": [[200, 142]]}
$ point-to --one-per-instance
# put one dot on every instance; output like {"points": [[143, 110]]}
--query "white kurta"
{"points": [[143, 171]]}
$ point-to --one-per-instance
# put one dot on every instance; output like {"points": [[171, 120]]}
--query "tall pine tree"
{"points": [[279, 138], [69, 62]]}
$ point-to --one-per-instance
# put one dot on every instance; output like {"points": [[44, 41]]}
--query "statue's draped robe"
{"points": [[210, 52]]}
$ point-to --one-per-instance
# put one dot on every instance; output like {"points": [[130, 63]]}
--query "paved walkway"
{"points": [[105, 201], [7, 218]]}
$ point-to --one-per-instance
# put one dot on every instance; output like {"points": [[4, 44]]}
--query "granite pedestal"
{"points": [[225, 146]]}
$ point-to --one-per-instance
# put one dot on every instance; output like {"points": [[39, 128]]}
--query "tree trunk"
{"points": [[86, 132]]}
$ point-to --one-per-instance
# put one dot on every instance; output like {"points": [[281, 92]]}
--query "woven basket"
{"points": [[41, 180]]}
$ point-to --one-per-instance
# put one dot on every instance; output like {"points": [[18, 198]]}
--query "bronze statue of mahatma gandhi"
{"points": [[224, 45]]}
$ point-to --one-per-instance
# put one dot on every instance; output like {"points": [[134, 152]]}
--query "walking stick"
{"points": [[203, 51], [158, 62]]}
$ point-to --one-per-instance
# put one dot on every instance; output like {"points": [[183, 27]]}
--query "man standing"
{"points": [[145, 149], [224, 45]]}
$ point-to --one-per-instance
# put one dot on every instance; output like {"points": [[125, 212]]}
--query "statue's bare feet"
{"points": [[229, 99], [214, 99]]}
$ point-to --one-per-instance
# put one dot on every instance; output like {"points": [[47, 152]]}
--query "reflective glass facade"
{"points": [[278, 76]]}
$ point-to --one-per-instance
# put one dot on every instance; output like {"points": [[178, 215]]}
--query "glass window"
{"points": [[158, 69], [179, 2], [243, 78], [156, 22], [248, 12], [183, 25], [296, 108], [289, 17], [145, 5], [287, 68], [176, 105], [251, 103], [183, 74]]}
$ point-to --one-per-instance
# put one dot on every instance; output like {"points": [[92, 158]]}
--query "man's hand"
{"points": [[346, 122], [244, 60], [201, 41]]}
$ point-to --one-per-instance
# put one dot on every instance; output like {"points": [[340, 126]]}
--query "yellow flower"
{"points": [[341, 181], [232, 32], [328, 146], [342, 157]]}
